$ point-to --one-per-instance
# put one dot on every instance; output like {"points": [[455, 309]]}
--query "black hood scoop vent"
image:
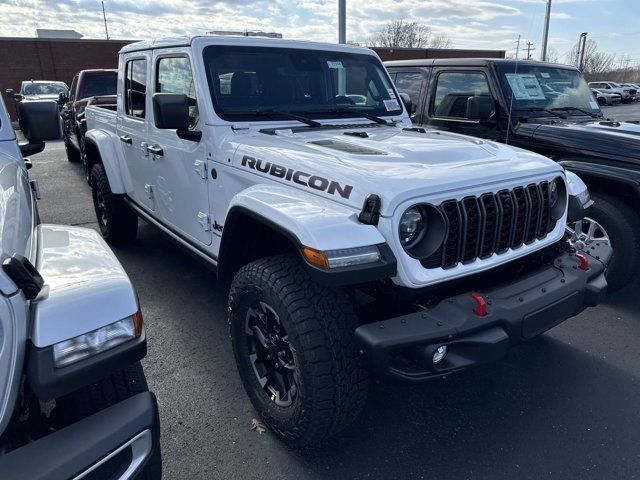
{"points": [[347, 147]]}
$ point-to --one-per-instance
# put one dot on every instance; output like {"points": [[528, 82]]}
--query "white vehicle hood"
{"points": [[395, 164]]}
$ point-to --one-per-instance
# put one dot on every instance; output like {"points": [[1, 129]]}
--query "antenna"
{"points": [[104, 16], [511, 100]]}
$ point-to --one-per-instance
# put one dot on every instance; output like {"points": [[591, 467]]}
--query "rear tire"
{"points": [[118, 223], [622, 224], [327, 386], [602, 101], [107, 392]]}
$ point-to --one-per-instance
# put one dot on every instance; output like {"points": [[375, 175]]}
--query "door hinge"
{"points": [[149, 189], [200, 167], [205, 221]]}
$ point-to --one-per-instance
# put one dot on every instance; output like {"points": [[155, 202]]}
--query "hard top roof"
{"points": [[186, 41], [470, 62]]}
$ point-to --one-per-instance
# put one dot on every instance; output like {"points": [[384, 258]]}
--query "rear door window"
{"points": [[135, 88]]}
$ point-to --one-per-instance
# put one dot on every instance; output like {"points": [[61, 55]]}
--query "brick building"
{"points": [[60, 59], [51, 59]]}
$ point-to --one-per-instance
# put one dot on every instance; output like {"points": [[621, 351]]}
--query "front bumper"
{"points": [[114, 443], [403, 347]]}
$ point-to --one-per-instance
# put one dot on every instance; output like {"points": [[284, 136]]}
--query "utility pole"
{"points": [[529, 50], [104, 16], [545, 36], [583, 42], [342, 21]]}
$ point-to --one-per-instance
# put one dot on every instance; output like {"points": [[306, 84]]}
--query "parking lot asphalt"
{"points": [[564, 406], [627, 111]]}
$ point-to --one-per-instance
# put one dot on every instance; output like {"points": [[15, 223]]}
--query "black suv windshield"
{"points": [[247, 81], [542, 87], [44, 88]]}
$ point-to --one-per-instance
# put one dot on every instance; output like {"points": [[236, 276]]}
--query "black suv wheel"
{"points": [[294, 347]]}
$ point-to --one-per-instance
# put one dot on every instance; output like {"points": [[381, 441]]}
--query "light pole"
{"points": [[342, 21], [104, 16], [545, 36]]}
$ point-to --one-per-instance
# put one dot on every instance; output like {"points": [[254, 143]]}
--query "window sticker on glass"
{"points": [[594, 105], [391, 105], [525, 86], [336, 64], [545, 75], [390, 92]]}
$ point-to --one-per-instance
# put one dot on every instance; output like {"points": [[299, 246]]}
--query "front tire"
{"points": [[293, 341], [72, 154], [622, 224], [118, 223], [107, 392]]}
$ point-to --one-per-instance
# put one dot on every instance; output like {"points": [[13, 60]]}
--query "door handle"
{"points": [[126, 139], [155, 150]]}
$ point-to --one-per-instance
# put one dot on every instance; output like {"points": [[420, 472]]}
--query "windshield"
{"points": [[544, 87], [44, 88], [245, 81], [99, 85]]}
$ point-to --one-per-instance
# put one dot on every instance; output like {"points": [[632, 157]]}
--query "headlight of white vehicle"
{"points": [[412, 227], [86, 345]]}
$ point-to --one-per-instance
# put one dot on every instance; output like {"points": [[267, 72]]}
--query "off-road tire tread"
{"points": [[609, 209], [322, 324], [122, 222]]}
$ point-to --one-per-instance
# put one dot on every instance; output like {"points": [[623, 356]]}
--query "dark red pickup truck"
{"points": [[87, 87]]}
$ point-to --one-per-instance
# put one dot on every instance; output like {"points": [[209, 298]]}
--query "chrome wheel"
{"points": [[272, 356], [585, 232]]}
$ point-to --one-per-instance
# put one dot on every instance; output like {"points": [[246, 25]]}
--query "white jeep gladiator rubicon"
{"points": [[74, 402], [355, 243]]}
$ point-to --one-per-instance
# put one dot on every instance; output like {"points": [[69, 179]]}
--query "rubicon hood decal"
{"points": [[297, 176]]}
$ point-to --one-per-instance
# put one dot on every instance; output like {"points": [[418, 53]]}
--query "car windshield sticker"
{"points": [[525, 86], [391, 105], [545, 75], [390, 92], [594, 105], [336, 64]]}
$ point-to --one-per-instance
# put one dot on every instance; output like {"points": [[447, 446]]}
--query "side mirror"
{"points": [[171, 112], [479, 108], [408, 104], [63, 98], [11, 94], [40, 121], [28, 149]]}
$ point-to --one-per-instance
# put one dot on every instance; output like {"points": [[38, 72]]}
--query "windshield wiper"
{"points": [[349, 111], [567, 109], [270, 112], [539, 109]]}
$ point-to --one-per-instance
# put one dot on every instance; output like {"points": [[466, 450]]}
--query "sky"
{"points": [[613, 24]]}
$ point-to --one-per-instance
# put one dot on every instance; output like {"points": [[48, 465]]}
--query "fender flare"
{"points": [[612, 173], [104, 143], [306, 219]]}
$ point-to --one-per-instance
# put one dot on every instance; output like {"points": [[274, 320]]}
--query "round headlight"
{"points": [[412, 227]]}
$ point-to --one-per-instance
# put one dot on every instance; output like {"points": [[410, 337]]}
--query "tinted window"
{"points": [[99, 85], [135, 88], [307, 82], [412, 83], [454, 89], [174, 76]]}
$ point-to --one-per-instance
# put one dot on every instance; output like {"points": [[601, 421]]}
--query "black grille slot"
{"points": [[478, 227], [451, 250]]}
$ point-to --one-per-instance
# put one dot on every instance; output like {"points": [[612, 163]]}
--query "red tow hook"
{"points": [[481, 305], [584, 263]]}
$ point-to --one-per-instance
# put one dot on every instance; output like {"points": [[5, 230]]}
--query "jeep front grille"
{"points": [[478, 227]]}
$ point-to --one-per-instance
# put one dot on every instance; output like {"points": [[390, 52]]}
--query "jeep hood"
{"points": [[395, 164], [603, 139]]}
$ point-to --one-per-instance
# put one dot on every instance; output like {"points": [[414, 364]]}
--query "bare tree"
{"points": [[552, 55], [595, 63], [399, 33]]}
